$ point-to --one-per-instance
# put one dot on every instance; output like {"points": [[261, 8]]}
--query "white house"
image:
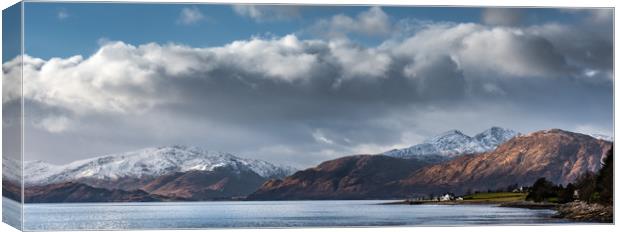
{"points": [[446, 197]]}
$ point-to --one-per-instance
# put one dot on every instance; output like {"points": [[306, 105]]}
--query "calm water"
{"points": [[267, 214]]}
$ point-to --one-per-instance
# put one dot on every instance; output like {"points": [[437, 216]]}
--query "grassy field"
{"points": [[500, 198], [495, 197]]}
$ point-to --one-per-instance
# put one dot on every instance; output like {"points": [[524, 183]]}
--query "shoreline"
{"points": [[429, 202], [575, 211], [512, 204], [586, 212]]}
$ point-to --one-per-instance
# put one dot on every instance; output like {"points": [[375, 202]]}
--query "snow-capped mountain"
{"points": [[603, 137], [494, 136], [453, 143], [147, 163], [11, 169]]}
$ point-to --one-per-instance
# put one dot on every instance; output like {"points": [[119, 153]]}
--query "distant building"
{"points": [[446, 197], [518, 190], [459, 198], [576, 194]]}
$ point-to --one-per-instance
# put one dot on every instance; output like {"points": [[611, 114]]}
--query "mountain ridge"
{"points": [[349, 177], [145, 163], [559, 156], [78, 192], [150, 174], [453, 143]]}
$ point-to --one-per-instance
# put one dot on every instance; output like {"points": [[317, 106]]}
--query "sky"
{"points": [[298, 85]]}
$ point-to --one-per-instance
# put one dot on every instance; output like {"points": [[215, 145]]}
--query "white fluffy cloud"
{"points": [[373, 22], [190, 15], [286, 58], [360, 61], [267, 13], [133, 76], [537, 51]]}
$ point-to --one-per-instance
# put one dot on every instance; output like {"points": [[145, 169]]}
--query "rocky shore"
{"points": [[581, 211], [576, 211]]}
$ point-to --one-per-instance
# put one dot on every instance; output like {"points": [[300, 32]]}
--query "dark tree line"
{"points": [[589, 187], [509, 188], [546, 191], [605, 180]]}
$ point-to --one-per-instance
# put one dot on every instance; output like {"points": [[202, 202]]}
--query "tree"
{"points": [[512, 187], [542, 190], [468, 192], [605, 180], [590, 187], [566, 195], [586, 187], [598, 188]]}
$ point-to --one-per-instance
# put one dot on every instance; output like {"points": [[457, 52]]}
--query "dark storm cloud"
{"points": [[301, 102], [588, 45]]}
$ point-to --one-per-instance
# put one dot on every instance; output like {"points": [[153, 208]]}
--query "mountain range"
{"points": [[558, 155], [147, 163], [449, 162], [454, 143], [351, 177], [175, 172]]}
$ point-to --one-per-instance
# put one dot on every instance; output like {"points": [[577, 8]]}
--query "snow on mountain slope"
{"points": [[494, 136], [150, 162], [603, 137], [454, 143], [11, 169]]}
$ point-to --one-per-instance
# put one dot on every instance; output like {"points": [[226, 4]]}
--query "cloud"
{"points": [[320, 137], [373, 22], [359, 62], [54, 124], [190, 15], [602, 15], [590, 49], [512, 52], [437, 78], [62, 14], [591, 129], [595, 15], [301, 101], [264, 13], [502, 16]]}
